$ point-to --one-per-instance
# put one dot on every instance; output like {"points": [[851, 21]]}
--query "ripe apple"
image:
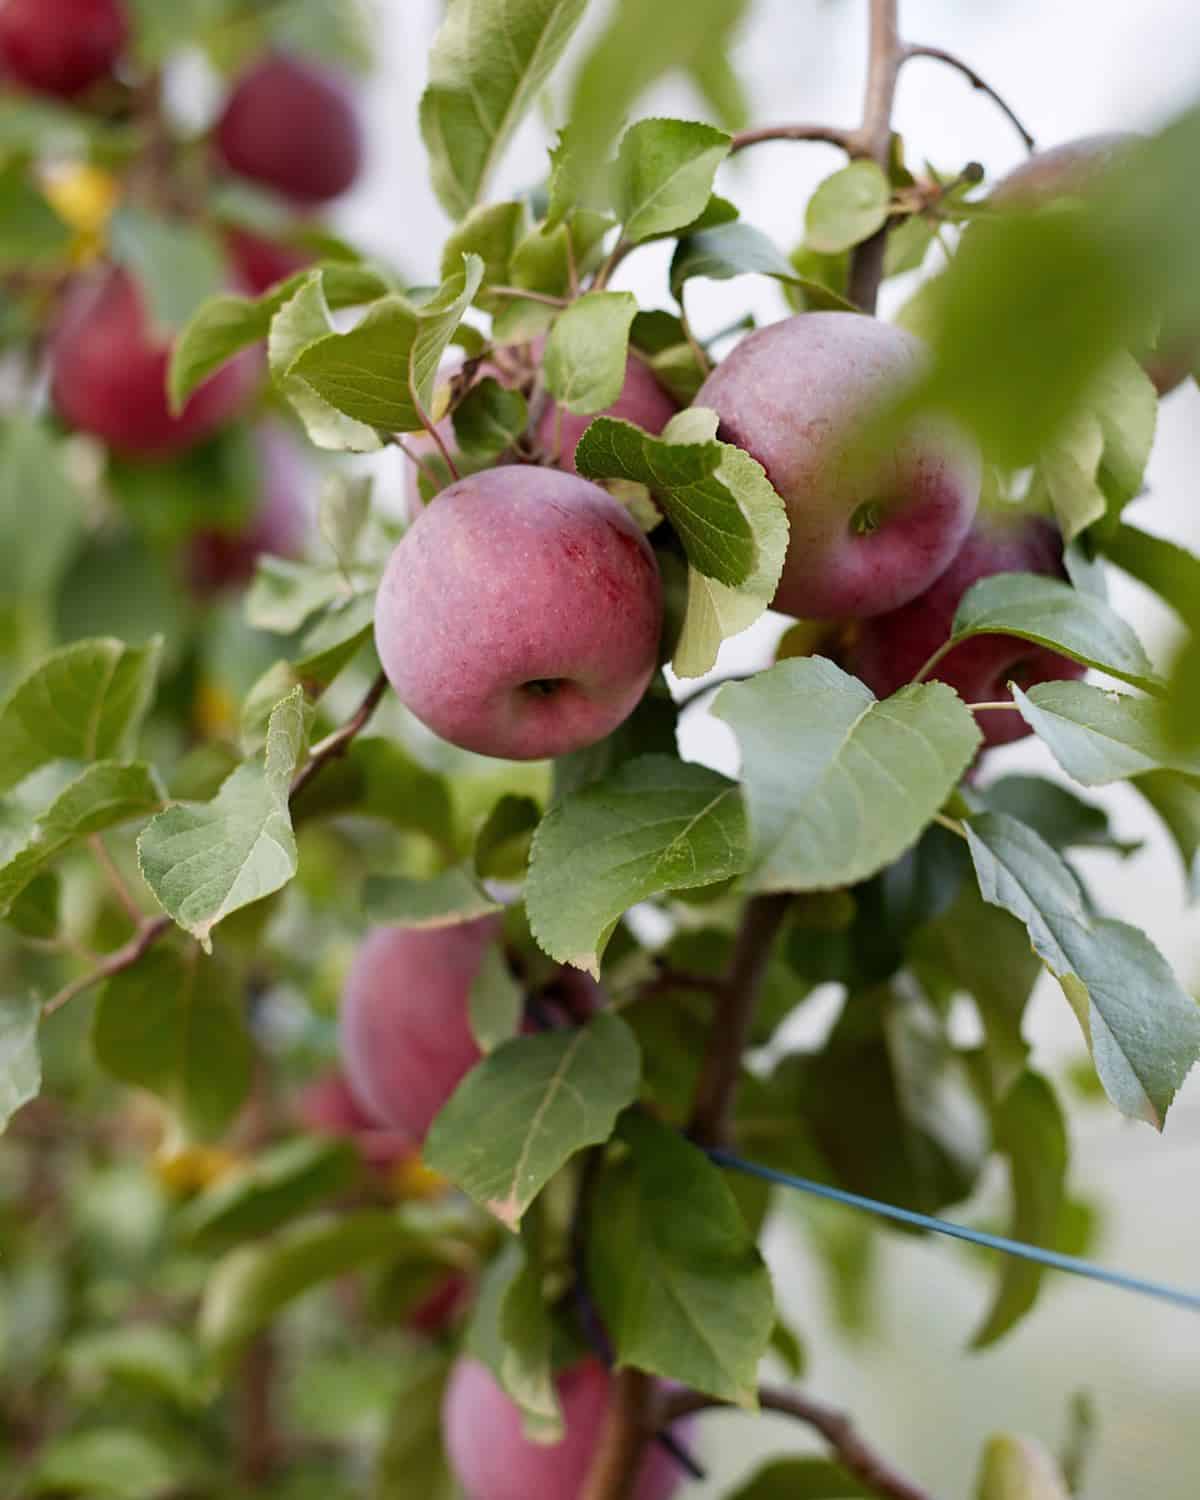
{"points": [[328, 1106], [868, 531], [62, 47], [218, 559], [1069, 170], [260, 263], [642, 401], [891, 649], [405, 1034], [493, 1459], [519, 615], [293, 127], [109, 371]]}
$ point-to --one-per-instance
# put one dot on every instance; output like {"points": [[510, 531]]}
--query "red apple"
{"points": [[494, 1460], [520, 614], [868, 532], [260, 263], [109, 371], [405, 1032], [891, 649], [328, 1106], [221, 559], [292, 126], [62, 47]]}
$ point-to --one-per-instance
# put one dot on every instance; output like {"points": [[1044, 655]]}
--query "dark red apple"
{"points": [[109, 371], [62, 47], [292, 126], [891, 649], [259, 263]]}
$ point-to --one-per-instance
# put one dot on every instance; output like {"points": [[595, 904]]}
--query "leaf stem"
{"points": [[712, 1109], [430, 427], [853, 1451], [939, 54], [413, 458], [979, 708], [942, 651], [340, 740], [116, 880], [952, 824], [873, 141], [618, 253], [519, 293]]}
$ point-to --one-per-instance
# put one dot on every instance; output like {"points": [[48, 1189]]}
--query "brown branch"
{"points": [[257, 1440], [340, 740], [874, 141], [712, 1109], [829, 135], [147, 934], [630, 1427], [938, 54], [853, 1451]]}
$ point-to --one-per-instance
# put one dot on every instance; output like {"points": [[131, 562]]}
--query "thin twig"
{"points": [[829, 135], [939, 54], [618, 253], [430, 427], [116, 880], [853, 1451], [712, 1110], [147, 934], [873, 141], [339, 741], [527, 296]]}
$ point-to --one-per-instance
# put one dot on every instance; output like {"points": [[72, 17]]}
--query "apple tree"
{"points": [[390, 1013]]}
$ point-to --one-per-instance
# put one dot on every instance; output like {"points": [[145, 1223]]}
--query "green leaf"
{"points": [[1142, 1028], [487, 66], [36, 912], [727, 251], [113, 1462], [847, 208], [412, 1457], [1176, 800], [545, 1098], [654, 824], [442, 901], [908, 245], [102, 796], [302, 323], [496, 1003], [1029, 1129], [225, 325], [664, 175], [584, 362], [286, 593], [343, 515], [676, 1274], [254, 1283], [1055, 615], [511, 1333], [381, 374], [1016, 1468], [489, 420], [277, 1186], [177, 266], [802, 1479], [172, 1024], [1063, 819], [821, 757], [502, 845], [20, 1061], [492, 232], [82, 702], [378, 779], [41, 512], [204, 861], [1098, 736], [31, 233], [153, 1356]]}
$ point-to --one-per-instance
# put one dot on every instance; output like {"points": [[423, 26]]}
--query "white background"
{"points": [[1069, 67]]}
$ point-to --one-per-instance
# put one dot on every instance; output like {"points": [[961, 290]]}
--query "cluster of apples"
{"points": [[289, 127]]}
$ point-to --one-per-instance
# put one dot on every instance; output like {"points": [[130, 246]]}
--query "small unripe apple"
{"points": [[642, 401], [109, 373], [293, 127], [259, 263], [520, 614], [221, 559], [493, 1459], [891, 649], [62, 47], [869, 530], [404, 1026]]}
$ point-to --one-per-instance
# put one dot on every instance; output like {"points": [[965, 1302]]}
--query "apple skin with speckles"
{"points": [[891, 649], [869, 530], [494, 1460], [520, 614], [404, 1026]]}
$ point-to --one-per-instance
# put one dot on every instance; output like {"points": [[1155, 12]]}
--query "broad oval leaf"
{"points": [[847, 208], [585, 356], [1099, 736], [20, 1061], [489, 62], [1053, 614], [511, 1333], [664, 175], [1141, 1026], [837, 784], [675, 1271], [730, 250], [654, 824], [453, 896], [528, 1107]]}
